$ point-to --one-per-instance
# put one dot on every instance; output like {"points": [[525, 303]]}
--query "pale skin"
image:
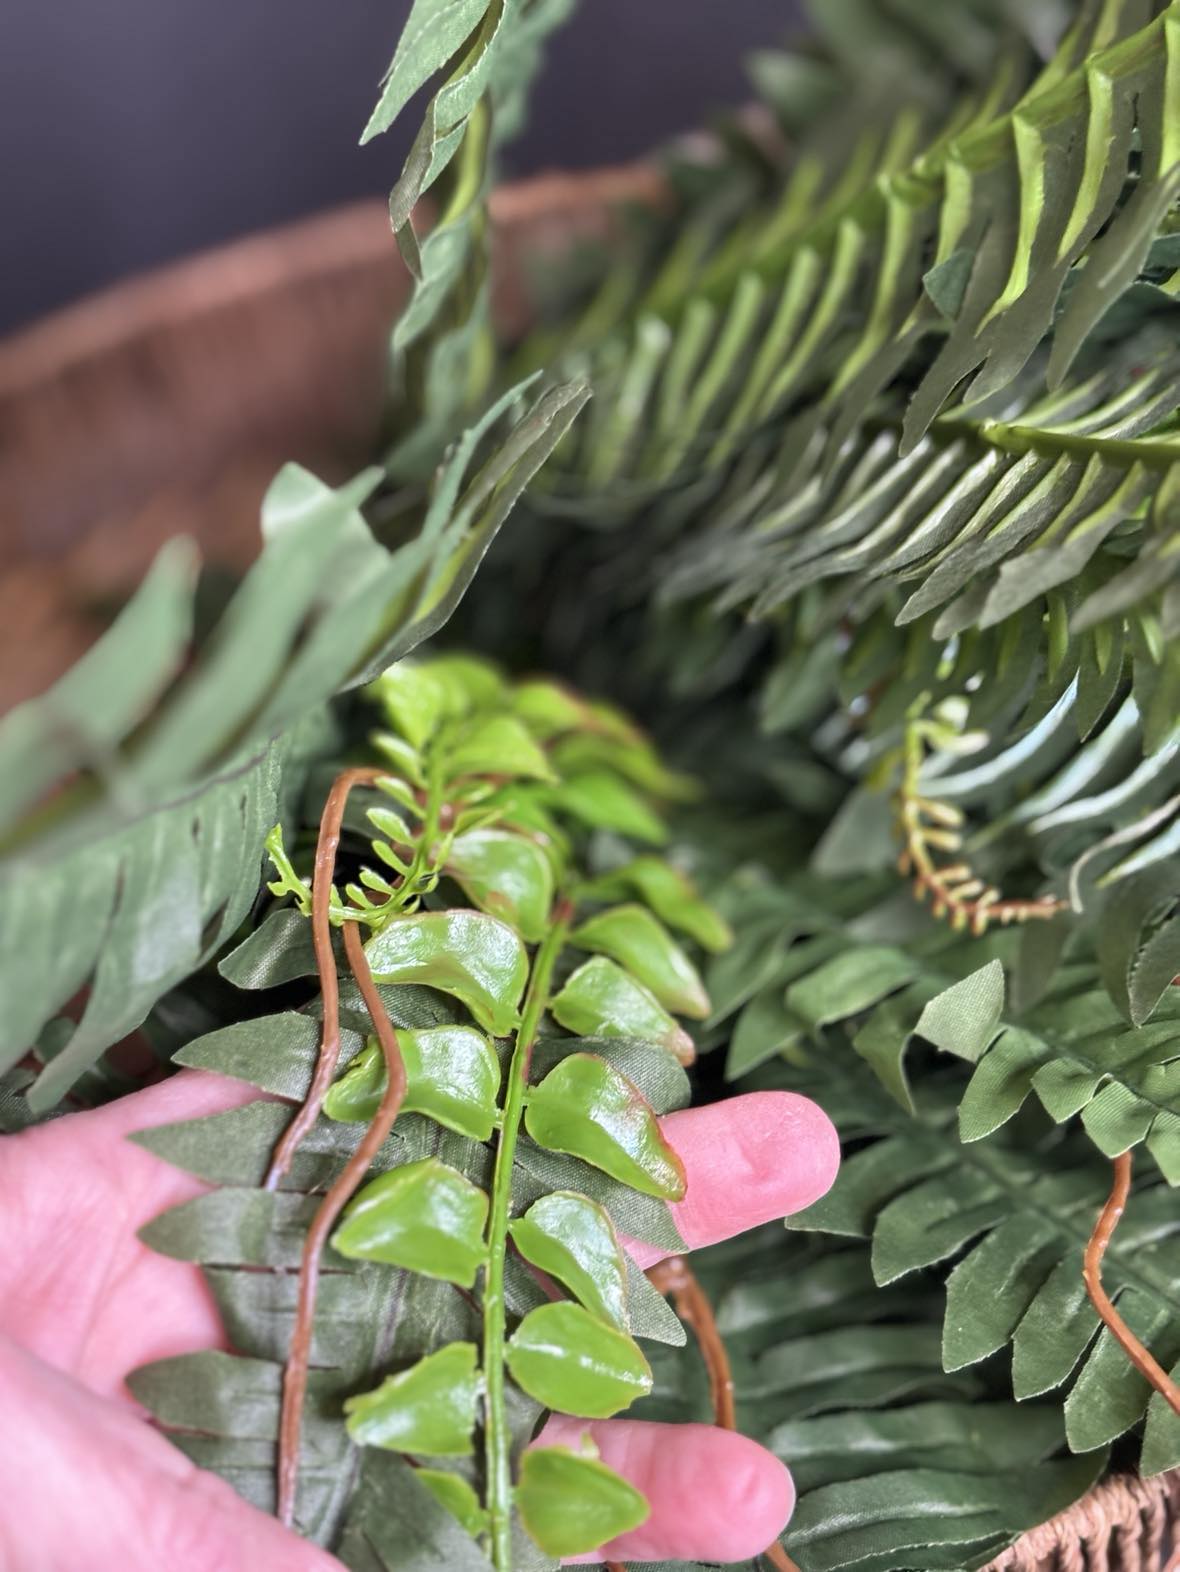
{"points": [[82, 1303]]}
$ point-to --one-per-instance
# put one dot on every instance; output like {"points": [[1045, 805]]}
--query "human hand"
{"points": [[90, 1487]]}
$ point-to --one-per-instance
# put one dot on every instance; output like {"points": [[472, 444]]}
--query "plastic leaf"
{"points": [[507, 875], [850, 983], [412, 698], [568, 1360], [571, 1504], [425, 1216], [497, 745], [453, 1492], [586, 1108], [673, 897], [475, 957], [605, 802], [634, 938], [452, 1076], [573, 1239], [547, 708], [963, 1018], [429, 1408], [601, 1000]]}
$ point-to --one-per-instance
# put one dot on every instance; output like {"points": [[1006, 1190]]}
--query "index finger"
{"points": [[747, 1161]]}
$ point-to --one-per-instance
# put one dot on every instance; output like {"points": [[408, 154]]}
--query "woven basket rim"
{"points": [[340, 237]]}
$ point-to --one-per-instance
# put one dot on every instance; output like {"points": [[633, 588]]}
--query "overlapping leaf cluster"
{"points": [[137, 792], [471, 850]]}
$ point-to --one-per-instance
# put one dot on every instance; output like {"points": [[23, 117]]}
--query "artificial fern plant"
{"points": [[872, 520]]}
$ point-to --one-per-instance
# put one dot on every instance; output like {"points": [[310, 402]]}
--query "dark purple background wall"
{"points": [[134, 131]]}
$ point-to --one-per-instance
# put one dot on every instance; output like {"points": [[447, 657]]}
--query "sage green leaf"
{"points": [[425, 1216], [507, 875], [587, 1109], [474, 957], [963, 1018], [429, 1408], [881, 1043], [604, 802], [635, 939], [764, 1028], [496, 745], [849, 983], [672, 896], [434, 31], [413, 700], [571, 1505], [452, 1076], [572, 1239], [1161, 1435], [569, 1360], [453, 1492], [601, 1000], [396, 1523]]}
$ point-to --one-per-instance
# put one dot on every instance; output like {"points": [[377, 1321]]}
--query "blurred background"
{"points": [[138, 131]]}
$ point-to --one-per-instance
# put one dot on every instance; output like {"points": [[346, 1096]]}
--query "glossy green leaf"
{"points": [[569, 1360], [549, 708], [604, 802], [601, 1000], [413, 700], [672, 896], [586, 1108], [429, 1408], [629, 755], [425, 1216], [635, 939], [452, 1076], [571, 1505], [473, 956], [573, 1239], [453, 1492], [497, 745], [507, 875]]}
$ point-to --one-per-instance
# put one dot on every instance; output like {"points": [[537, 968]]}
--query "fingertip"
{"points": [[715, 1495], [749, 1160]]}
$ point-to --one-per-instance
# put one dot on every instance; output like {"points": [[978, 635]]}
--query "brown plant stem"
{"points": [[321, 936], [338, 1196], [1104, 1228], [676, 1278]]}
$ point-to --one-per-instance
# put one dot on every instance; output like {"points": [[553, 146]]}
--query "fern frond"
{"points": [[1016, 1217], [843, 1380], [146, 852]]}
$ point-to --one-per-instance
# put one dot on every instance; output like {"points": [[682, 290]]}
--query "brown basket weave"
{"points": [[164, 406]]}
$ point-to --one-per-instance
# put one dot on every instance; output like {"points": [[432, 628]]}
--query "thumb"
{"points": [[89, 1484]]}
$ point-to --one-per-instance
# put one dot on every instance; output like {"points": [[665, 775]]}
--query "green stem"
{"points": [[498, 1439]]}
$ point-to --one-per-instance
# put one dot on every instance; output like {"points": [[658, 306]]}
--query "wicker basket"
{"points": [[164, 406]]}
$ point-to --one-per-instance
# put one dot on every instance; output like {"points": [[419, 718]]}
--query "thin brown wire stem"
{"points": [[337, 1197], [676, 1278], [1104, 1228], [328, 1057]]}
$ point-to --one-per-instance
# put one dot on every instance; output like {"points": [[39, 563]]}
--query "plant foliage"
{"points": [[428, 1329]]}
